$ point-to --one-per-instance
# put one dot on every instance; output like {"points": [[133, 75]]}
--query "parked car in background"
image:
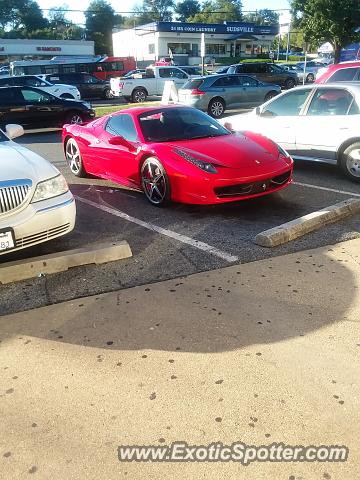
{"points": [[311, 69], [176, 153], [34, 108], [137, 71], [62, 91], [88, 85], [215, 93], [193, 70], [266, 72], [152, 84], [315, 122], [4, 71], [340, 72], [35, 202], [223, 69]]}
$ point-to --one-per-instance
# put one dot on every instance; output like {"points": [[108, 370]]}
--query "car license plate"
{"points": [[7, 239]]}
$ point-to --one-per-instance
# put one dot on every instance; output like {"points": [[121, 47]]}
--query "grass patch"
{"points": [[105, 110]]}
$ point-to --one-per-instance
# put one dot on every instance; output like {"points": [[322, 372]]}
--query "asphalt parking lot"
{"points": [[226, 231]]}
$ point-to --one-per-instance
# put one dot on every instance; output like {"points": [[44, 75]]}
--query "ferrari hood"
{"points": [[17, 162], [233, 151]]}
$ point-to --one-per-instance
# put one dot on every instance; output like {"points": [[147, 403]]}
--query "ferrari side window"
{"points": [[122, 126]]}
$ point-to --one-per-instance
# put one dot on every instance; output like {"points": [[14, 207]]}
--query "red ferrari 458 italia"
{"points": [[176, 153]]}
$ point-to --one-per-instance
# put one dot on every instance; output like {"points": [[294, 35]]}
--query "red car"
{"points": [[176, 153], [340, 72]]}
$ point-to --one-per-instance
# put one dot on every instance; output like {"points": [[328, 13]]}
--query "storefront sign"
{"points": [[48, 49], [217, 28]]}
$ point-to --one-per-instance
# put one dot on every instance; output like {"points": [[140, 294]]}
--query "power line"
{"points": [[145, 12]]}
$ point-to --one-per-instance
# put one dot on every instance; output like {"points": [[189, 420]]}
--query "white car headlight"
{"points": [[50, 188]]}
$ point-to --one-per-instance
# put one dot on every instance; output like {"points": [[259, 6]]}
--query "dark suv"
{"points": [[88, 85], [266, 72], [34, 108]]}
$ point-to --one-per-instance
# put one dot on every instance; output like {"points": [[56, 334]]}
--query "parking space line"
{"points": [[351, 194], [163, 231]]}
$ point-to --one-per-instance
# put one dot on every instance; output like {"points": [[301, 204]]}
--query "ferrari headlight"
{"points": [[206, 166], [50, 188]]}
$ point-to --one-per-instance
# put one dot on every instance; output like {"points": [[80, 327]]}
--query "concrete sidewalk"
{"points": [[259, 353]]}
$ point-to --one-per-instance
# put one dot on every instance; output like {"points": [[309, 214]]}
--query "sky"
{"points": [[127, 5]]}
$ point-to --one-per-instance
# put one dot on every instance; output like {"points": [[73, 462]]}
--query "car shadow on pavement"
{"points": [[232, 308], [40, 136]]}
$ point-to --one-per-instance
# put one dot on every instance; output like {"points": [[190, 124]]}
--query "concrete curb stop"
{"points": [[300, 226], [62, 261]]}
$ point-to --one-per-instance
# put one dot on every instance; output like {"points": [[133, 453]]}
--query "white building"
{"points": [[14, 49], [148, 43]]}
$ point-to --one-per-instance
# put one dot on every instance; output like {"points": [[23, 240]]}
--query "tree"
{"points": [[21, 14], [328, 21], [187, 9], [218, 11], [100, 20], [263, 17], [159, 10]]}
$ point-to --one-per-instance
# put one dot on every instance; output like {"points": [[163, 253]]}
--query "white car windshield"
{"points": [[3, 138]]}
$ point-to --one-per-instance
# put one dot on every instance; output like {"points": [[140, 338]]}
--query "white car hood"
{"points": [[17, 162]]}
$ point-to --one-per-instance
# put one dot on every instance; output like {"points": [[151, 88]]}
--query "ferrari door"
{"points": [[116, 159]]}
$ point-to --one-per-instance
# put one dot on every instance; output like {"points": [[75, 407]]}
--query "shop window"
{"points": [[179, 48], [215, 49]]}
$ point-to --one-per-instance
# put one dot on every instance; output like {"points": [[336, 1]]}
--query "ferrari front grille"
{"points": [[13, 194], [243, 189]]}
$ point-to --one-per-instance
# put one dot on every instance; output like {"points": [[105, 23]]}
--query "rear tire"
{"points": [[349, 162], [270, 95], [74, 158], [155, 182], [216, 107], [139, 95]]}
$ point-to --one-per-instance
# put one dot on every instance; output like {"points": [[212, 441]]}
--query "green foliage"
{"points": [[231, 11], [331, 21], [100, 20], [187, 9], [262, 17], [159, 10], [21, 14]]}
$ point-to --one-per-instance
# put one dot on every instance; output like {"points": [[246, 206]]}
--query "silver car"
{"points": [[316, 122], [214, 93]]}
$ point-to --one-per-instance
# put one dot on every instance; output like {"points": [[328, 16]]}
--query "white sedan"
{"points": [[320, 123], [60, 90], [35, 202]]}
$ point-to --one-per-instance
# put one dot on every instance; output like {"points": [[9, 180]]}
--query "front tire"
{"points": [[139, 95], [216, 107], [349, 162], [108, 94], [155, 182], [74, 158]]}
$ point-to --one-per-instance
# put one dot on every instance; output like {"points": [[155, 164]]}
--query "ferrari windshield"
{"points": [[174, 124]]}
